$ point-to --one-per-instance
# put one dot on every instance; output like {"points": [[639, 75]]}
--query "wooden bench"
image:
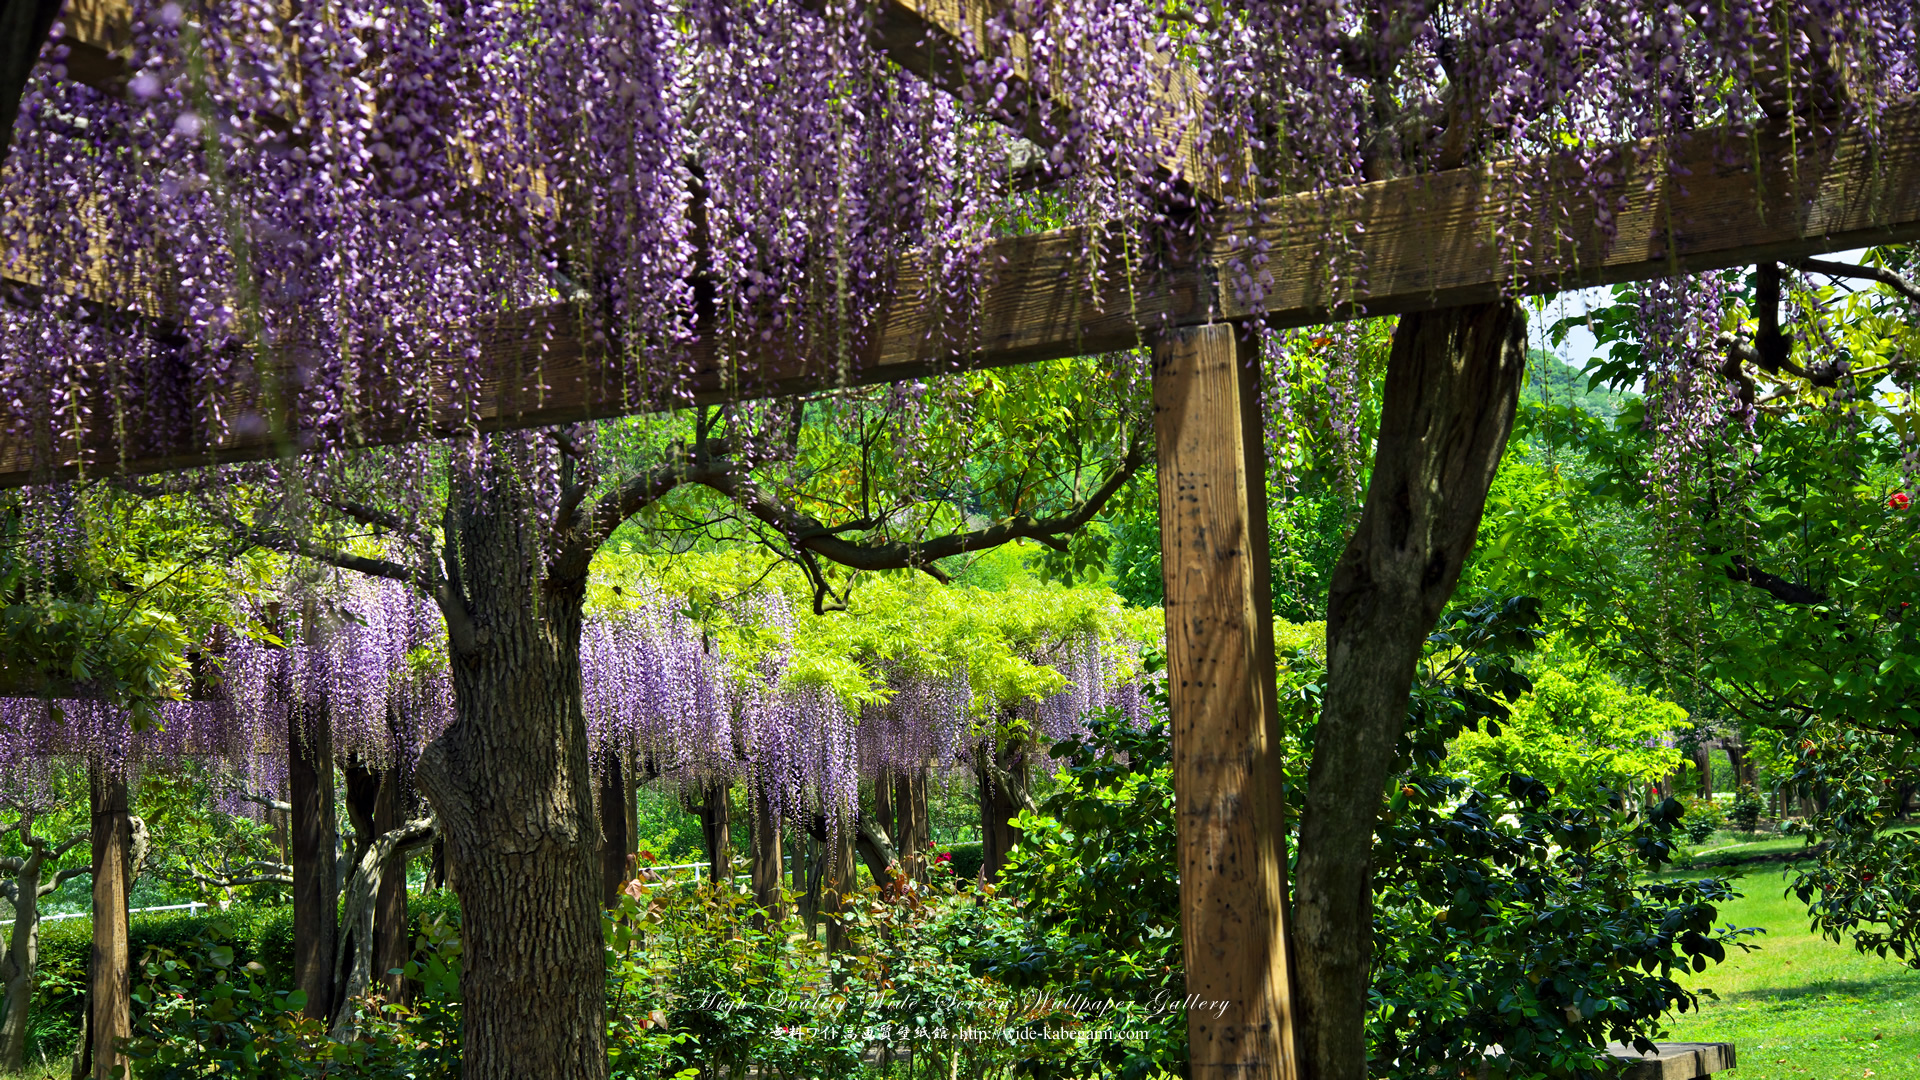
{"points": [[1675, 1061]]}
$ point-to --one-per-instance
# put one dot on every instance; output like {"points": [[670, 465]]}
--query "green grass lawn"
{"points": [[1801, 1007]]}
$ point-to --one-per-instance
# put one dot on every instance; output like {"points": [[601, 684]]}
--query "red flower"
{"points": [[1898, 501], [945, 856]]}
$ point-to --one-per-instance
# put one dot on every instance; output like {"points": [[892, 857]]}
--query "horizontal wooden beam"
{"points": [[1716, 200]]}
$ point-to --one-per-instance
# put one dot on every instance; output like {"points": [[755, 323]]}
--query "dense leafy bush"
{"points": [[1746, 810], [1702, 819], [1864, 878], [964, 859], [202, 1013], [1097, 875], [1518, 919]]}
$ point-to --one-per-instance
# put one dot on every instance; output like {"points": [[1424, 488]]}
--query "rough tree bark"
{"points": [[910, 811], [509, 782], [716, 831], [1452, 382], [311, 822], [616, 838], [1002, 775], [767, 892]]}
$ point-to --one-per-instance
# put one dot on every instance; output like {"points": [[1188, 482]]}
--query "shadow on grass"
{"points": [[1890, 988]]}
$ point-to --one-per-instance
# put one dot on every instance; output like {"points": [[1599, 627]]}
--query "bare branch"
{"points": [[370, 516], [53, 883], [1870, 273], [1787, 592], [262, 799], [808, 534]]}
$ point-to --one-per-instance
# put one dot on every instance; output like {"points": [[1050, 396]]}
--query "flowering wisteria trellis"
{"points": [[656, 689], [596, 169]]}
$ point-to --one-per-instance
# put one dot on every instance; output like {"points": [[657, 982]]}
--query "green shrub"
{"points": [[1702, 819], [262, 935], [1747, 808], [967, 858], [1096, 877]]}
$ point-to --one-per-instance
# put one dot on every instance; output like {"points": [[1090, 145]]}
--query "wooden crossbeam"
{"points": [[1378, 248]]}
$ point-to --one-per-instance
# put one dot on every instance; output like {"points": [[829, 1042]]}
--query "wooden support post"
{"points": [[109, 977], [1226, 739], [316, 909]]}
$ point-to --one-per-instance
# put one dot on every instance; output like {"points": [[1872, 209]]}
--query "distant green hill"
{"points": [[1553, 381]]}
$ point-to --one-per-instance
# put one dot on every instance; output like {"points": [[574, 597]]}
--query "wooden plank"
{"points": [[1403, 245], [99, 37], [109, 974], [1226, 733], [1537, 226], [1675, 1061]]}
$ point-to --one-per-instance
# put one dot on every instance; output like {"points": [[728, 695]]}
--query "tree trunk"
{"points": [[910, 808], [716, 831], [377, 801], [311, 821], [511, 788], [354, 968], [1703, 768], [1002, 774], [392, 943], [109, 976], [21, 960], [841, 886], [806, 880], [630, 796], [1452, 382], [766, 859], [883, 805], [1227, 752], [615, 839]]}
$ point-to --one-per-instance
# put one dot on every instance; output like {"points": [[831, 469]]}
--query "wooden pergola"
{"points": [[1713, 198]]}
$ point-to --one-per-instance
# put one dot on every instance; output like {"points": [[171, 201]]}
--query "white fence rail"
{"points": [[191, 909]]}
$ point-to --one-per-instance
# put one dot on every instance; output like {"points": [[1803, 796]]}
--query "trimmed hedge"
{"points": [[967, 858]]}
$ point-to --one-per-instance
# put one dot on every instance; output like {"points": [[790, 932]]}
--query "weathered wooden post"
{"points": [[109, 976], [1220, 671]]}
